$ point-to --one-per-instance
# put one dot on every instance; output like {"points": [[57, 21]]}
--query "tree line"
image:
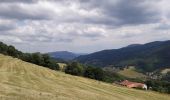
{"points": [[92, 72], [35, 58], [98, 73]]}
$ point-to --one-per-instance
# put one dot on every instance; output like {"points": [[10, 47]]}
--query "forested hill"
{"points": [[148, 57], [65, 55]]}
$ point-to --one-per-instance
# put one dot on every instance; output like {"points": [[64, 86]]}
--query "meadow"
{"points": [[20, 80]]}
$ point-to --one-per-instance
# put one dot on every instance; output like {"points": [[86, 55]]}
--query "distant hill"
{"points": [[133, 45], [148, 57], [65, 55], [20, 80]]}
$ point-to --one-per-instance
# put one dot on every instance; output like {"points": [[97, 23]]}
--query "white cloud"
{"points": [[81, 26]]}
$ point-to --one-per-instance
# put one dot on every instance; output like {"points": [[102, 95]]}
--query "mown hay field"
{"points": [[20, 80], [131, 73]]}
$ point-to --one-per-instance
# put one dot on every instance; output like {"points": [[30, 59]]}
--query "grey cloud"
{"points": [[34, 38], [53, 23], [133, 12], [111, 12], [163, 27], [6, 27], [67, 40], [20, 13], [18, 1], [127, 12], [46, 39], [91, 35], [85, 35]]}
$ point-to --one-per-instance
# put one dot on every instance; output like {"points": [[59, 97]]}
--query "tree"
{"points": [[89, 72], [94, 73], [46, 60], [74, 69], [3, 48], [37, 58], [160, 86], [12, 51]]}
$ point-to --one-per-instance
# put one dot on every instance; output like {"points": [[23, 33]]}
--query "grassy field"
{"points": [[62, 66], [165, 71], [131, 73], [24, 81]]}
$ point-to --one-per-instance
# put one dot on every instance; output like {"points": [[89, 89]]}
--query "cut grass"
{"points": [[131, 73], [20, 80], [165, 71], [62, 66]]}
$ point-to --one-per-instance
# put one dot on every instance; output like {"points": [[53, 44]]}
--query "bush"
{"points": [[160, 86], [94, 73], [75, 69]]}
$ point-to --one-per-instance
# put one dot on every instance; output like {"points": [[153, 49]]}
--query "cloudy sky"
{"points": [[82, 25]]}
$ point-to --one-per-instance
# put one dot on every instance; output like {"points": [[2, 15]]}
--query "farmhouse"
{"points": [[133, 84]]}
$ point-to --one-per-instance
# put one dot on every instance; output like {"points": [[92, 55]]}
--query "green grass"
{"points": [[24, 81], [131, 73]]}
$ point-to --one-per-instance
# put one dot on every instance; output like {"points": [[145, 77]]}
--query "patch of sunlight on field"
{"points": [[62, 66], [24, 81], [165, 71], [131, 73]]}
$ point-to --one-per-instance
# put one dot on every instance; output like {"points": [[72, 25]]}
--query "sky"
{"points": [[82, 26]]}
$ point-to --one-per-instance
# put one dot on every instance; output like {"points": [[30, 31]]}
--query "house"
{"points": [[133, 84]]}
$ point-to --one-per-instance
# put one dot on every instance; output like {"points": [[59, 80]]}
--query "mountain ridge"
{"points": [[65, 55], [153, 53]]}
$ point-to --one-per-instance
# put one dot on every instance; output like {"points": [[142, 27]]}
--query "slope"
{"points": [[148, 57], [131, 73], [24, 81]]}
